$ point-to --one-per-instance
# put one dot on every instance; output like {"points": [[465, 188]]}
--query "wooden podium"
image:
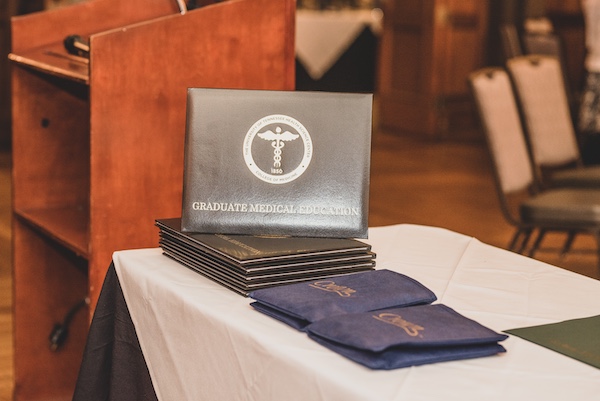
{"points": [[98, 146]]}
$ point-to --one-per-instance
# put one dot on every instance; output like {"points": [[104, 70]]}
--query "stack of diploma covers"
{"points": [[244, 263], [275, 187], [380, 319]]}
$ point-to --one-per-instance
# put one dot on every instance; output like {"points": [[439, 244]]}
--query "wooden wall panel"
{"points": [[427, 50]]}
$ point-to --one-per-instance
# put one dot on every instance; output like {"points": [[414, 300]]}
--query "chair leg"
{"points": [[514, 239], [568, 243], [525, 242], [520, 236], [537, 242], [597, 236]]}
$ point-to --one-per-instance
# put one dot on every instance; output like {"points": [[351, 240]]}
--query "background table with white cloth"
{"points": [[336, 50], [201, 341]]}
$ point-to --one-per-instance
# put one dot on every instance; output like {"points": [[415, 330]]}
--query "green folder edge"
{"points": [[576, 338]]}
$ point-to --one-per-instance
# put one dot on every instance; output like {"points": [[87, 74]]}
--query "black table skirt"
{"points": [[113, 366]]}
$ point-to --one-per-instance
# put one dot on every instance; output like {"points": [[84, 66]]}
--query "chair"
{"points": [[543, 43], [524, 205], [548, 125], [511, 44], [538, 83], [550, 44]]}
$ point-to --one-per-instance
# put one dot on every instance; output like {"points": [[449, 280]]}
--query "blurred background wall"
{"points": [[565, 15]]}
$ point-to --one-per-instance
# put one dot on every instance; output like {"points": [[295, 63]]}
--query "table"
{"points": [[203, 342], [336, 50]]}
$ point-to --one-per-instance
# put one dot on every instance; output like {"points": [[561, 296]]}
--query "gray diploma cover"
{"points": [[277, 163]]}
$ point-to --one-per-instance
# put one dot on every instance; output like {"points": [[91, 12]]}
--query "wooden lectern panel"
{"points": [[139, 80], [47, 27], [98, 146]]}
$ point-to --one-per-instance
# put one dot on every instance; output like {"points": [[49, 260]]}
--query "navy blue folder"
{"points": [[401, 337], [303, 303]]}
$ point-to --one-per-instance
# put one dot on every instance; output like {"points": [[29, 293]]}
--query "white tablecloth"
{"points": [[323, 36], [203, 342]]}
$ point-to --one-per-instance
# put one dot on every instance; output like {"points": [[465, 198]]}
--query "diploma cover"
{"points": [[576, 338], [277, 163], [301, 304], [401, 337]]}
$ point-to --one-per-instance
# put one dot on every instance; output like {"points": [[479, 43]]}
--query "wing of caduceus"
{"points": [[268, 135], [272, 136], [287, 136]]}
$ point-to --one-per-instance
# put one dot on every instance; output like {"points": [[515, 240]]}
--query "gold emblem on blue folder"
{"points": [[328, 285], [411, 329]]}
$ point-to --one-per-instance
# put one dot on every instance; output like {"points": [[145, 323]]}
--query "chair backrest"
{"points": [[548, 44], [499, 115], [540, 89], [511, 44]]}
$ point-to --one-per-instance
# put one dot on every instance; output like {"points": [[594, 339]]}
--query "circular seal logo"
{"points": [[277, 149]]}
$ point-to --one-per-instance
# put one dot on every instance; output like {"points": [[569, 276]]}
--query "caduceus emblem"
{"points": [[278, 139]]}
